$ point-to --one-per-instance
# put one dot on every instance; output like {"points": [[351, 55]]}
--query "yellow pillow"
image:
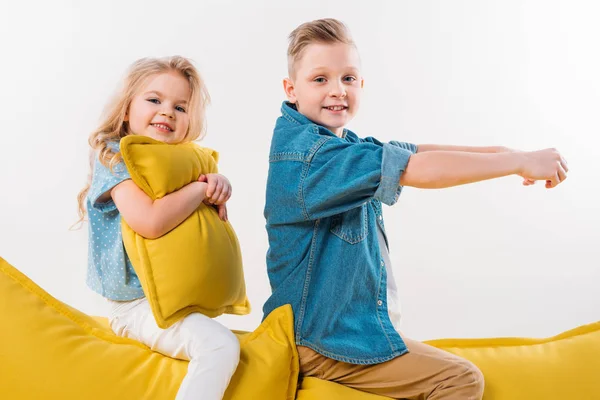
{"points": [[196, 267], [51, 351]]}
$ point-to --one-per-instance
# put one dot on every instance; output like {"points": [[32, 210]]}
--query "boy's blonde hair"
{"points": [[113, 126], [327, 30]]}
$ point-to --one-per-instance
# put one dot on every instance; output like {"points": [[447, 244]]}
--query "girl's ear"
{"points": [[362, 83]]}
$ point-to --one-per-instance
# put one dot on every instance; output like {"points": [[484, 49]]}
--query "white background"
{"points": [[488, 259]]}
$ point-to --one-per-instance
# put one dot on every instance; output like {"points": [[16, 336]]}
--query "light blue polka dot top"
{"points": [[110, 272]]}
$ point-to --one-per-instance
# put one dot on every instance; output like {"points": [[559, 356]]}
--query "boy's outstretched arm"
{"points": [[437, 169], [470, 149]]}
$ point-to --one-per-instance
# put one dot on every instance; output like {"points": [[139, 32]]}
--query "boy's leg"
{"points": [[212, 349], [424, 373]]}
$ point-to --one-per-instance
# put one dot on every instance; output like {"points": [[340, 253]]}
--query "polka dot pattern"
{"points": [[109, 272]]}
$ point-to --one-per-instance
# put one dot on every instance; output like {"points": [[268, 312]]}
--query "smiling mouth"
{"points": [[336, 108], [162, 127]]}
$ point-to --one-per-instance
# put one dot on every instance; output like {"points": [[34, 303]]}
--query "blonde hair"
{"points": [[327, 30], [113, 126]]}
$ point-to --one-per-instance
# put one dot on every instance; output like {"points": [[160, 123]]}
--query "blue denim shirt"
{"points": [[323, 204]]}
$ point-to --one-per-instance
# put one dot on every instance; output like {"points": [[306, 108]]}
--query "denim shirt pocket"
{"points": [[351, 226]]}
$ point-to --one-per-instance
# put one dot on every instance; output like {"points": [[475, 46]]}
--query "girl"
{"points": [[163, 99]]}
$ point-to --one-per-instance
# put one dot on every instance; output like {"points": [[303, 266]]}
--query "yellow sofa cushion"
{"points": [[51, 351], [566, 366], [197, 266]]}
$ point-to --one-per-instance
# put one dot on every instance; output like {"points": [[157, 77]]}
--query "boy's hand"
{"points": [[218, 190], [526, 181], [547, 165]]}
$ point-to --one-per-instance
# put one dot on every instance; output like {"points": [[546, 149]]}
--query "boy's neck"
{"points": [[339, 132]]}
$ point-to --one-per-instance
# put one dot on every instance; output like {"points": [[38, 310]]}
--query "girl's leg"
{"points": [[212, 349]]}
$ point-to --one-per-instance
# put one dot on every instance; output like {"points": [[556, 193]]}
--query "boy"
{"points": [[328, 252]]}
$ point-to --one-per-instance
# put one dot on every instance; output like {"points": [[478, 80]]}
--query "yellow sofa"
{"points": [[51, 351]]}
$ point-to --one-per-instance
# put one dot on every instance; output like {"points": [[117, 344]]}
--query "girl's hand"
{"points": [[218, 190], [222, 210]]}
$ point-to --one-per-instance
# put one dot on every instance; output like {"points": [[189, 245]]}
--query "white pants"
{"points": [[212, 349]]}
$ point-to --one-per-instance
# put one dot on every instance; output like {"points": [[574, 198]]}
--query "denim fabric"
{"points": [[323, 204]]}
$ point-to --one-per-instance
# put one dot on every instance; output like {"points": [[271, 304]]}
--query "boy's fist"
{"points": [[543, 165]]}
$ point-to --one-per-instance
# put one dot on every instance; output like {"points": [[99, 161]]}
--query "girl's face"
{"points": [[160, 108]]}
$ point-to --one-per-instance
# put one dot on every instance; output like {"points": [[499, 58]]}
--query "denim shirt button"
{"points": [[382, 263], [379, 302], [381, 217]]}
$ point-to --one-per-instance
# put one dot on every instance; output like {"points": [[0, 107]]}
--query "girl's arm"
{"points": [[442, 169], [469, 149], [152, 219]]}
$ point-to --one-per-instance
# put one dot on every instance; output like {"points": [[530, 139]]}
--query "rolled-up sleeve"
{"points": [[394, 161], [344, 175]]}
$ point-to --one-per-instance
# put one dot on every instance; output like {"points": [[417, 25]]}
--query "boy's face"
{"points": [[327, 84]]}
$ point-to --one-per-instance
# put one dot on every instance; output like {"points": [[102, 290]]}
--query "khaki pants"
{"points": [[424, 373]]}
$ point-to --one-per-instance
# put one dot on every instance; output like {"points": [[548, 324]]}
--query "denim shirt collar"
{"points": [[291, 113]]}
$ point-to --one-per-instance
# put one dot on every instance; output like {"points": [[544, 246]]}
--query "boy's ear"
{"points": [[288, 87]]}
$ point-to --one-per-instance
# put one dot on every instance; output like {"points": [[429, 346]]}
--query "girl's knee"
{"points": [[223, 344], [231, 344], [229, 351]]}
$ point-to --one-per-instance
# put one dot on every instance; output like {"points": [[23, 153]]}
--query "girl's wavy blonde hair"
{"points": [[113, 126]]}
